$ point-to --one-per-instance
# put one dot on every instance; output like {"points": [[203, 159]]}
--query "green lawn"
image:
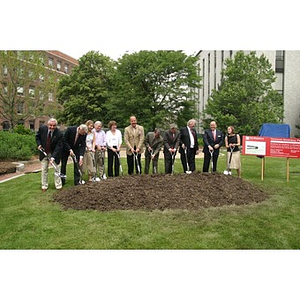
{"points": [[30, 220]]}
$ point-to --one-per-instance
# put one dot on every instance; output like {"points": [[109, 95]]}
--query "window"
{"points": [[279, 55], [31, 125], [50, 96], [4, 70], [41, 95], [31, 91], [20, 90], [5, 90], [21, 73], [58, 66], [20, 108], [203, 86], [66, 68], [5, 125], [215, 69], [50, 62], [208, 74], [279, 62]]}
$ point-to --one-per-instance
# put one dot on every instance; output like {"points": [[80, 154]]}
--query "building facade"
{"points": [[286, 65], [55, 62]]}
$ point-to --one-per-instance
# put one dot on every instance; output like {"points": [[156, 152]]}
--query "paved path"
{"points": [[34, 166]]}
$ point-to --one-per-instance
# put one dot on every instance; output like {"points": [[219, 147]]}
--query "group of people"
{"points": [[88, 143]]}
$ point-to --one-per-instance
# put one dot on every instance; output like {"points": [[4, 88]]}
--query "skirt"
{"points": [[88, 163], [235, 160]]}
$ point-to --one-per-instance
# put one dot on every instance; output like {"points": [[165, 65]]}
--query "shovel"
{"points": [[154, 167], [137, 163], [56, 170], [173, 161], [228, 172], [188, 171], [121, 170], [211, 158], [81, 181], [94, 165], [103, 166]]}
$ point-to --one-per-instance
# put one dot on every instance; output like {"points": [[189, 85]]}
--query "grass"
{"points": [[30, 220]]}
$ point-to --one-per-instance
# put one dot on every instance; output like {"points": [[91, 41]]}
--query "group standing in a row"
{"points": [[88, 143]]}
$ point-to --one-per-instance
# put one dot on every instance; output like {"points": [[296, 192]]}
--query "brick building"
{"points": [[56, 64]]}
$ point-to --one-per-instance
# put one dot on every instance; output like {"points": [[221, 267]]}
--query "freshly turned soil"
{"points": [[161, 192], [7, 167]]}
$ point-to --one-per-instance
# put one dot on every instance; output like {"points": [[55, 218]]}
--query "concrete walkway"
{"points": [[34, 166]]}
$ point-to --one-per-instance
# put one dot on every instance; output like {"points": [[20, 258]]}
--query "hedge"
{"points": [[17, 146]]}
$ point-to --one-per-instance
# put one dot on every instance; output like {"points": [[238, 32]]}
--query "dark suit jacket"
{"points": [[55, 144], [169, 142], [185, 139], [208, 139], [69, 139], [155, 143]]}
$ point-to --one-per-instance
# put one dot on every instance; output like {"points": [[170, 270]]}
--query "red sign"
{"points": [[275, 147]]}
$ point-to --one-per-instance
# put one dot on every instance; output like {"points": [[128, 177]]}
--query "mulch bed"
{"points": [[7, 167], [150, 192]]}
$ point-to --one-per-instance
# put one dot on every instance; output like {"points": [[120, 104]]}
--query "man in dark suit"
{"points": [[171, 144], [153, 145], [73, 144], [188, 143], [213, 139], [49, 139]]}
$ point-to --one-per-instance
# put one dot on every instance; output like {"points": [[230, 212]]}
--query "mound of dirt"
{"points": [[7, 167], [150, 192]]}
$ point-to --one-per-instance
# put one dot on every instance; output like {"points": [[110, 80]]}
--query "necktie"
{"points": [[194, 134], [48, 142], [76, 138], [214, 134]]}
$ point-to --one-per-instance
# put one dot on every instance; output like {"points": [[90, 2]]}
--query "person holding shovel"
{"points": [[49, 140], [88, 165], [153, 145], [114, 142], [213, 140], [232, 143], [134, 139], [74, 143], [188, 146], [171, 144], [100, 149]]}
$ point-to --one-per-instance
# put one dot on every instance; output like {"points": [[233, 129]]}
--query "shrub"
{"points": [[17, 146], [22, 130]]}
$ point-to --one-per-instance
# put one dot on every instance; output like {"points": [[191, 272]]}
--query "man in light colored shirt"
{"points": [[100, 149], [188, 146], [134, 139]]}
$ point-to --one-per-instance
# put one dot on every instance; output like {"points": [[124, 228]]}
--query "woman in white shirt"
{"points": [[114, 142], [88, 158]]}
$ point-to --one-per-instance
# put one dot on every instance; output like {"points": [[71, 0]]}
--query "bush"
{"points": [[17, 146], [22, 130]]}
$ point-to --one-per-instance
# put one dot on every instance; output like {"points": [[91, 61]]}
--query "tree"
{"points": [[245, 98], [84, 93], [24, 83], [155, 87]]}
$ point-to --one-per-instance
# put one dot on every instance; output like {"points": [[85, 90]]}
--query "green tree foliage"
{"points": [[155, 87], [24, 84], [245, 98], [85, 92]]}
